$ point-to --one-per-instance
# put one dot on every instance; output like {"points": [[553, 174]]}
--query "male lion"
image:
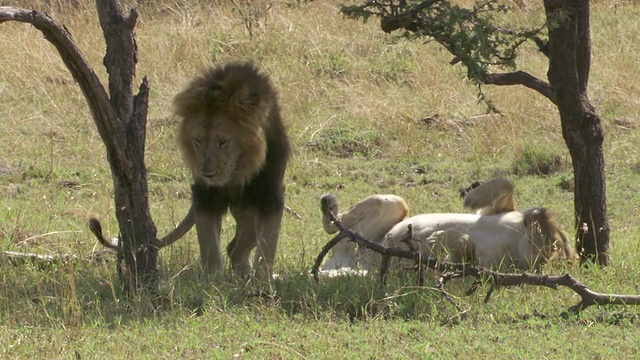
{"points": [[234, 142]]}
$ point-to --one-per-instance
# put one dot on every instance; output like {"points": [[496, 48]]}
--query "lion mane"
{"points": [[233, 140]]}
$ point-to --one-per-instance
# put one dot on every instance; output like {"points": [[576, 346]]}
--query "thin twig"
{"points": [[292, 212]]}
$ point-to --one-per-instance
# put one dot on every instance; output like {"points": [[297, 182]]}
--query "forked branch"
{"points": [[483, 275]]}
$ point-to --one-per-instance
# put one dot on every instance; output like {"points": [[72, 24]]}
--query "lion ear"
{"points": [[212, 93], [251, 98]]}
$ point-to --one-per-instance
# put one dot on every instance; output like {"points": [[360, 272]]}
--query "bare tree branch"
{"points": [[77, 64], [522, 78], [19, 258]]}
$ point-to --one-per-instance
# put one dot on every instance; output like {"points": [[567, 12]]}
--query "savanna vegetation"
{"points": [[367, 113]]}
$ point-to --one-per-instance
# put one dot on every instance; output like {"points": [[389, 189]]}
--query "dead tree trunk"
{"points": [[569, 62], [121, 121], [137, 230]]}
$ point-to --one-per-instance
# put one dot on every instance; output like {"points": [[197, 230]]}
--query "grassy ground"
{"points": [[367, 113]]}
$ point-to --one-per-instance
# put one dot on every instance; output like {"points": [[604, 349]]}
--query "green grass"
{"points": [[367, 113]]}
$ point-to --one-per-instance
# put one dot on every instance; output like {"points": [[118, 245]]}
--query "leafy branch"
{"points": [[472, 35]]}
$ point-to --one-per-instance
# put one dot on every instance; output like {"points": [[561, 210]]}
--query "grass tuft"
{"points": [[347, 143], [535, 160]]}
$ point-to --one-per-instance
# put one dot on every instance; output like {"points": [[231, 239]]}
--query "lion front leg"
{"points": [[244, 242], [208, 225], [451, 245], [329, 203], [268, 230], [255, 230], [344, 251]]}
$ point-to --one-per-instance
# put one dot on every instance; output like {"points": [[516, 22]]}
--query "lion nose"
{"points": [[208, 171]]}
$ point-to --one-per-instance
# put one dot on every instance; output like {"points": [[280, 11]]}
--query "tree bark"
{"points": [[120, 118], [569, 62], [137, 230]]}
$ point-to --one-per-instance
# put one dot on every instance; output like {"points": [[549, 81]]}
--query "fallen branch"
{"points": [[20, 258], [483, 275]]}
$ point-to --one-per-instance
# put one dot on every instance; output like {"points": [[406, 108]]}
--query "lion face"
{"points": [[219, 152], [213, 153]]}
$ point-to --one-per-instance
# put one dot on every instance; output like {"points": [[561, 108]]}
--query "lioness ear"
{"points": [[465, 191], [533, 215]]}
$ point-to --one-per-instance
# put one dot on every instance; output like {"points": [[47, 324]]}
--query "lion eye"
{"points": [[223, 143], [196, 143]]}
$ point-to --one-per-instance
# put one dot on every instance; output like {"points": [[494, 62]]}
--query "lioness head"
{"points": [[546, 235], [224, 113]]}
